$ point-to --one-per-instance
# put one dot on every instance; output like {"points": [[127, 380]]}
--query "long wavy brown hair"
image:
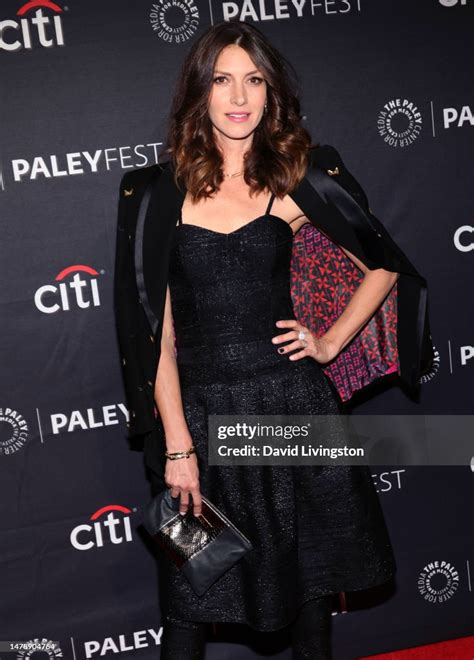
{"points": [[278, 157]]}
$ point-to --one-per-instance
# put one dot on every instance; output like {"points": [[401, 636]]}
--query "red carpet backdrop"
{"points": [[85, 90]]}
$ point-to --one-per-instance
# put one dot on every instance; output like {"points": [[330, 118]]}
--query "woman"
{"points": [[230, 344]]}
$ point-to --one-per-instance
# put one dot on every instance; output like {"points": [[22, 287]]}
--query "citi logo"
{"points": [[464, 238], [106, 527], [77, 292], [34, 29]]}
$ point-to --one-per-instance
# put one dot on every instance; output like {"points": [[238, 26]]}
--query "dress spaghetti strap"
{"points": [[270, 203], [269, 206]]}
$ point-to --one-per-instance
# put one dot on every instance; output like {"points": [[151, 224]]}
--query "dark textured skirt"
{"points": [[316, 530]]}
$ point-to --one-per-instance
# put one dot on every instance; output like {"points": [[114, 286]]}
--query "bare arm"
{"points": [[168, 390], [365, 301], [182, 474]]}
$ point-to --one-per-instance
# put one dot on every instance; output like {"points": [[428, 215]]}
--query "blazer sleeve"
{"points": [[135, 347], [397, 339]]}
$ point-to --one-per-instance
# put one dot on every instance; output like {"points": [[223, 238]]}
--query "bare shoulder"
{"points": [[322, 156], [289, 211]]}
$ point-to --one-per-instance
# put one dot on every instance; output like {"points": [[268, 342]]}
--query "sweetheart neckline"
{"points": [[235, 231]]}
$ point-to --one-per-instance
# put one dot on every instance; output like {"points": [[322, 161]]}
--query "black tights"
{"points": [[182, 640], [311, 631], [310, 634]]}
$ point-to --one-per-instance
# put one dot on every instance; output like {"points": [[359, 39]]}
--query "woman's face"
{"points": [[238, 94]]}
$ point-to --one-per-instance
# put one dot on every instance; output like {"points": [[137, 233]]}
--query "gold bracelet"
{"points": [[173, 456]]}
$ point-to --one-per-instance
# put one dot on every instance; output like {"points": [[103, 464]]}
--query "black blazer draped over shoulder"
{"points": [[334, 202]]}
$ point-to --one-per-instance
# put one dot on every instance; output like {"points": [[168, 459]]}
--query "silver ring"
{"points": [[305, 343], [301, 335]]}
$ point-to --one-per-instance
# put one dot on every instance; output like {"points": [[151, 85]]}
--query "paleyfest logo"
{"points": [[33, 29], [174, 21], [399, 122], [69, 294]]}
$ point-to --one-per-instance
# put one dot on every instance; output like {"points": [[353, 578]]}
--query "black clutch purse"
{"points": [[203, 547]]}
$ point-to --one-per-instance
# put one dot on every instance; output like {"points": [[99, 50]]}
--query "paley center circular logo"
{"points": [[14, 431], [174, 21], [399, 122], [438, 581], [44, 648], [433, 370]]}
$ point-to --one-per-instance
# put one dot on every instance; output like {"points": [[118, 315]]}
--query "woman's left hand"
{"points": [[320, 349]]}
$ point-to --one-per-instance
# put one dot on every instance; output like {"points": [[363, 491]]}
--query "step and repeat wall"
{"points": [[85, 91]]}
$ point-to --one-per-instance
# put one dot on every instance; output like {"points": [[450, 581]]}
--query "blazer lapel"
{"points": [[156, 221], [346, 225]]}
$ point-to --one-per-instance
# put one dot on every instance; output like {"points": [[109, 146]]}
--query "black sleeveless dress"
{"points": [[316, 530]]}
